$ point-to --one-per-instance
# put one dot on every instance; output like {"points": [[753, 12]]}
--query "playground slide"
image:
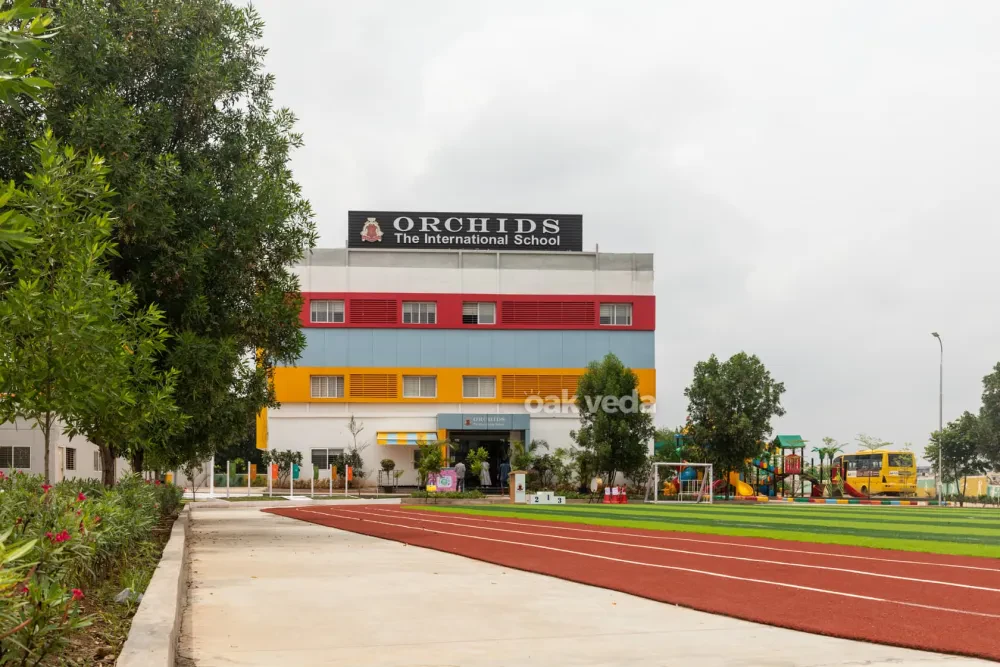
{"points": [[742, 488], [851, 491]]}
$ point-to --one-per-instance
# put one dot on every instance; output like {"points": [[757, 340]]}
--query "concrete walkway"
{"points": [[266, 590]]}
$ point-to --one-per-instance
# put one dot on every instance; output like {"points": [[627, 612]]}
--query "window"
{"points": [[326, 386], [479, 313], [326, 311], [97, 461], [419, 312], [419, 386], [616, 314], [479, 386], [22, 458], [900, 460], [321, 458], [6, 457], [71, 458]]}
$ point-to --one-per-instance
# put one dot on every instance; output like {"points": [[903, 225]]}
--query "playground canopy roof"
{"points": [[789, 441]]}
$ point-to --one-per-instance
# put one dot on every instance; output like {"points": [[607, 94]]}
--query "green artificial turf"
{"points": [[942, 530]]}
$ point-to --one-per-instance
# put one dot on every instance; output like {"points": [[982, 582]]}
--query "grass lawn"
{"points": [[942, 530]]}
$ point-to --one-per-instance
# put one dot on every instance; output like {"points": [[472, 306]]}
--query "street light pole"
{"points": [[940, 474]]}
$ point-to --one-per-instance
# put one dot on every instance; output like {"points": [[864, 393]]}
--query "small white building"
{"points": [[22, 447]]}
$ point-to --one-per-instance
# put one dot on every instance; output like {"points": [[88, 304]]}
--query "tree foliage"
{"points": [[961, 447], [72, 342], [24, 31], [730, 407], [208, 217], [989, 415], [613, 427]]}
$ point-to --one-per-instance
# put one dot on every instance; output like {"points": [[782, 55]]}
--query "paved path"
{"points": [[266, 590]]}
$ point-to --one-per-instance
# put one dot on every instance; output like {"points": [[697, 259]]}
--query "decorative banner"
{"points": [[274, 471], [350, 473], [295, 471], [793, 464], [253, 471], [443, 482]]}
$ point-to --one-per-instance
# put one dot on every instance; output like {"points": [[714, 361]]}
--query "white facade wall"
{"points": [[475, 272], [21, 434], [304, 427]]}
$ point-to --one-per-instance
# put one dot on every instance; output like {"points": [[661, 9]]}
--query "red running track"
{"points": [[937, 603]]}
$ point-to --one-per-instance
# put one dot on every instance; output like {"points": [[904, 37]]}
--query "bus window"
{"points": [[900, 460], [869, 465]]}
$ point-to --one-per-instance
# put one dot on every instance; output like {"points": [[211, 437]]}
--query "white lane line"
{"points": [[744, 559], [538, 524], [659, 566]]}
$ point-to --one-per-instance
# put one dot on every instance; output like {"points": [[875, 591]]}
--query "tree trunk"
{"points": [[108, 465], [965, 482], [47, 437], [138, 458]]}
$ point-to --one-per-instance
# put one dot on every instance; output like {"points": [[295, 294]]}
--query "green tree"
{"points": [[58, 305], [522, 455], [429, 460], [989, 415], [24, 31], [731, 405], [208, 217], [475, 460], [872, 442], [829, 450], [134, 413], [613, 426], [961, 447]]}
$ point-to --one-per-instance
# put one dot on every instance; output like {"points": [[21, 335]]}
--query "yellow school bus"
{"points": [[879, 472]]}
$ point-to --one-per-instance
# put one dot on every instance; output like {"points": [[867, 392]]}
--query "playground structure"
{"points": [[764, 476], [781, 471]]}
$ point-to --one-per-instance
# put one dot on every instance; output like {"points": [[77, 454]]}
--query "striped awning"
{"points": [[406, 438]]}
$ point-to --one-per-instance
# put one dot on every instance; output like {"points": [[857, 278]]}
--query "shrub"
{"points": [[64, 538]]}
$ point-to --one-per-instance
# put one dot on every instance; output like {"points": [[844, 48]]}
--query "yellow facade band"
{"points": [[385, 385], [262, 429]]}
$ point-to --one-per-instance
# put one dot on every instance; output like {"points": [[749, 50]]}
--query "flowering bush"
{"points": [[64, 538]]}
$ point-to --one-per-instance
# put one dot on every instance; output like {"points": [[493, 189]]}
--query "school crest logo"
{"points": [[371, 232]]}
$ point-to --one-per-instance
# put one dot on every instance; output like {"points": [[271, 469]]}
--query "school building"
{"points": [[467, 328]]}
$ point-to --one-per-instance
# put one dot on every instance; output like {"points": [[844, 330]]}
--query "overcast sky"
{"points": [[819, 180]]}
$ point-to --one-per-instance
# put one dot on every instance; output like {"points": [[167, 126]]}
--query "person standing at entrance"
{"points": [[484, 476], [460, 474], [504, 474]]}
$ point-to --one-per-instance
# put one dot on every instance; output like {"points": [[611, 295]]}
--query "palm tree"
{"points": [[831, 449]]}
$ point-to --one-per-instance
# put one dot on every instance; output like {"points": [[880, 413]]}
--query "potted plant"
{"points": [[388, 466]]}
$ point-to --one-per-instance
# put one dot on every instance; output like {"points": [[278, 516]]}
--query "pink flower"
{"points": [[77, 595], [58, 539], [81, 497], [46, 487], [78, 512], [1, 475], [157, 482], [97, 519]]}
